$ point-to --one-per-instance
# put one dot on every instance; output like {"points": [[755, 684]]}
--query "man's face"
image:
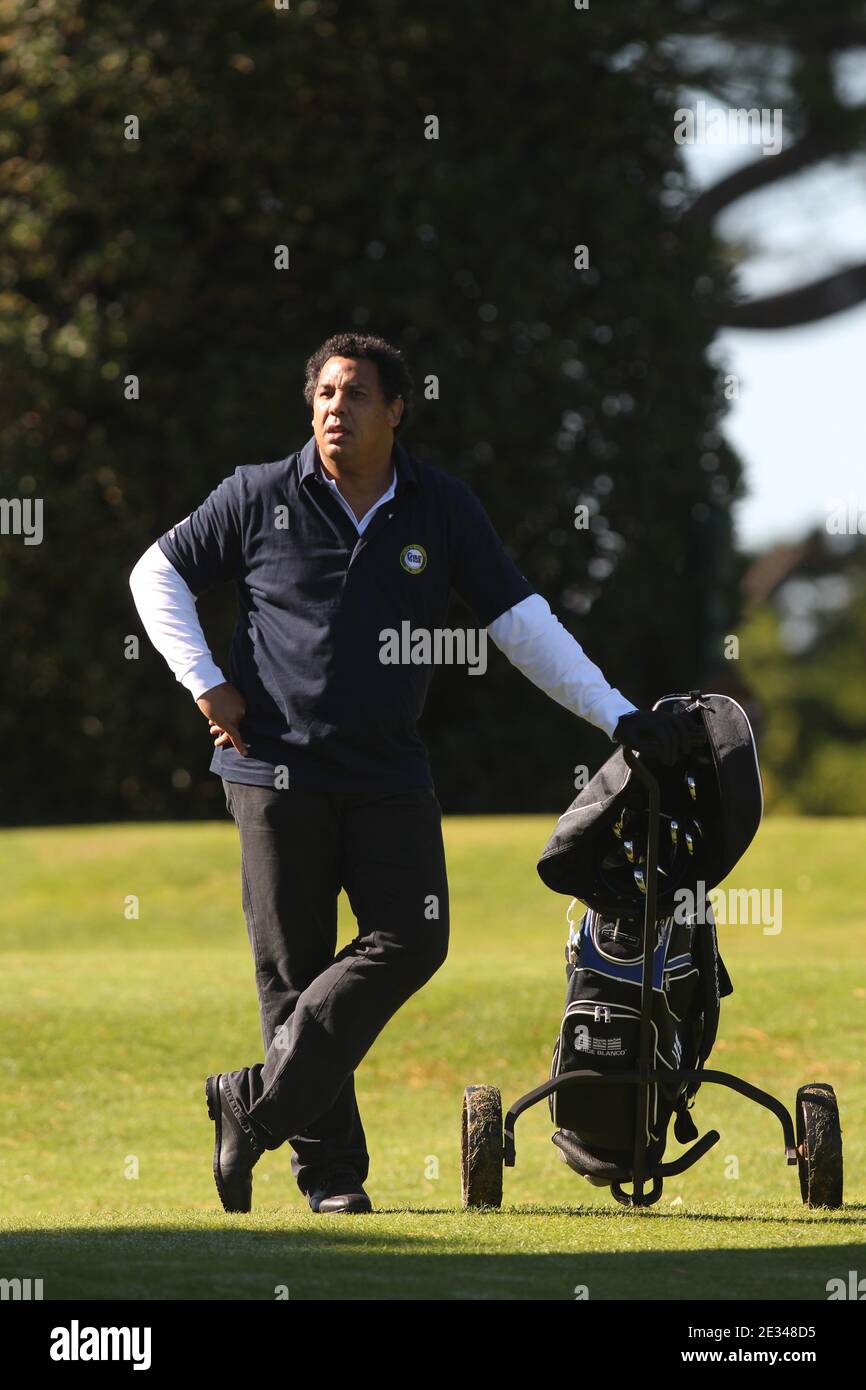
{"points": [[352, 421]]}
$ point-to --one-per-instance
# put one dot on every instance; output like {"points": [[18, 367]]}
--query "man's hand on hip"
{"points": [[224, 708]]}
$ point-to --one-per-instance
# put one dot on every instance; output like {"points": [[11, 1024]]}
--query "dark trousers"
{"points": [[321, 1010]]}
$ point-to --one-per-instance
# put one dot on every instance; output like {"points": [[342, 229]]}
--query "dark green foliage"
{"points": [[556, 386]]}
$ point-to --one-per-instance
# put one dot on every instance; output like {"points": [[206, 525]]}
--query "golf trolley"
{"points": [[815, 1147]]}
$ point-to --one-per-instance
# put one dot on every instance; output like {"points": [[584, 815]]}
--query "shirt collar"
{"points": [[404, 464]]}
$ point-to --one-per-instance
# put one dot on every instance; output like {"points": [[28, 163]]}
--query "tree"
{"points": [[152, 344]]}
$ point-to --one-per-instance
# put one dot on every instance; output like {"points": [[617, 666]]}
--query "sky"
{"points": [[799, 423]]}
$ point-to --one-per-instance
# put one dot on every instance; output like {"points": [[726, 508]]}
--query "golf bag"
{"points": [[711, 804], [600, 1031]]}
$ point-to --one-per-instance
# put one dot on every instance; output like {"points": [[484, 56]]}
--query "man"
{"points": [[315, 740]]}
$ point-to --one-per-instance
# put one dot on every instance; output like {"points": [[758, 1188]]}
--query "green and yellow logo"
{"points": [[413, 558]]}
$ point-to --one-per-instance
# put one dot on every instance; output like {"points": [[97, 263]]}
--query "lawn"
{"points": [[111, 1021]]}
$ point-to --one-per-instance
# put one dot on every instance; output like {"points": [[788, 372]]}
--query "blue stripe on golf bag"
{"points": [[592, 959]]}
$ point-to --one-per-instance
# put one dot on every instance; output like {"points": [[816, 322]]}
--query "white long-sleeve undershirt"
{"points": [[535, 641], [529, 634], [166, 606]]}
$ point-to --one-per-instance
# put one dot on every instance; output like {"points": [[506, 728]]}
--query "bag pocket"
{"points": [[603, 1037]]}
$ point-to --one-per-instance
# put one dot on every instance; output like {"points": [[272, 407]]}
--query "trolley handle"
{"points": [[638, 765], [640, 1164]]}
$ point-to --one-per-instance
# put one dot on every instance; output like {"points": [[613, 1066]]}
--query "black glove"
{"points": [[666, 737]]}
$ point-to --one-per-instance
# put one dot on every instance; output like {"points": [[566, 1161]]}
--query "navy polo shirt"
{"points": [[313, 599]]}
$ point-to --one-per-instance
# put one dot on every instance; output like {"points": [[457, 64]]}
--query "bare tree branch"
{"points": [[820, 300], [762, 172]]}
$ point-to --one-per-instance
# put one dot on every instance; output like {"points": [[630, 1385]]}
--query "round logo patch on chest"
{"points": [[413, 558]]}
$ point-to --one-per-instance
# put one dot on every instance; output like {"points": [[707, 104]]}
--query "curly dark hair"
{"points": [[394, 376]]}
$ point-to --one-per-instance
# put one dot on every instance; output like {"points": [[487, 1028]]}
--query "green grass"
{"points": [[110, 1024]]}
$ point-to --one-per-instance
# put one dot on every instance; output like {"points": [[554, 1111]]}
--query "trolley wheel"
{"points": [[481, 1151], [551, 1098], [819, 1146]]}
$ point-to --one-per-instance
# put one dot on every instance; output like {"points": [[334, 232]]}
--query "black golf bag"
{"points": [[600, 1030], [710, 808]]}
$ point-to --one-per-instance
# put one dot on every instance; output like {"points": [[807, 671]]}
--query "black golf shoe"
{"points": [[235, 1152], [340, 1191]]}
